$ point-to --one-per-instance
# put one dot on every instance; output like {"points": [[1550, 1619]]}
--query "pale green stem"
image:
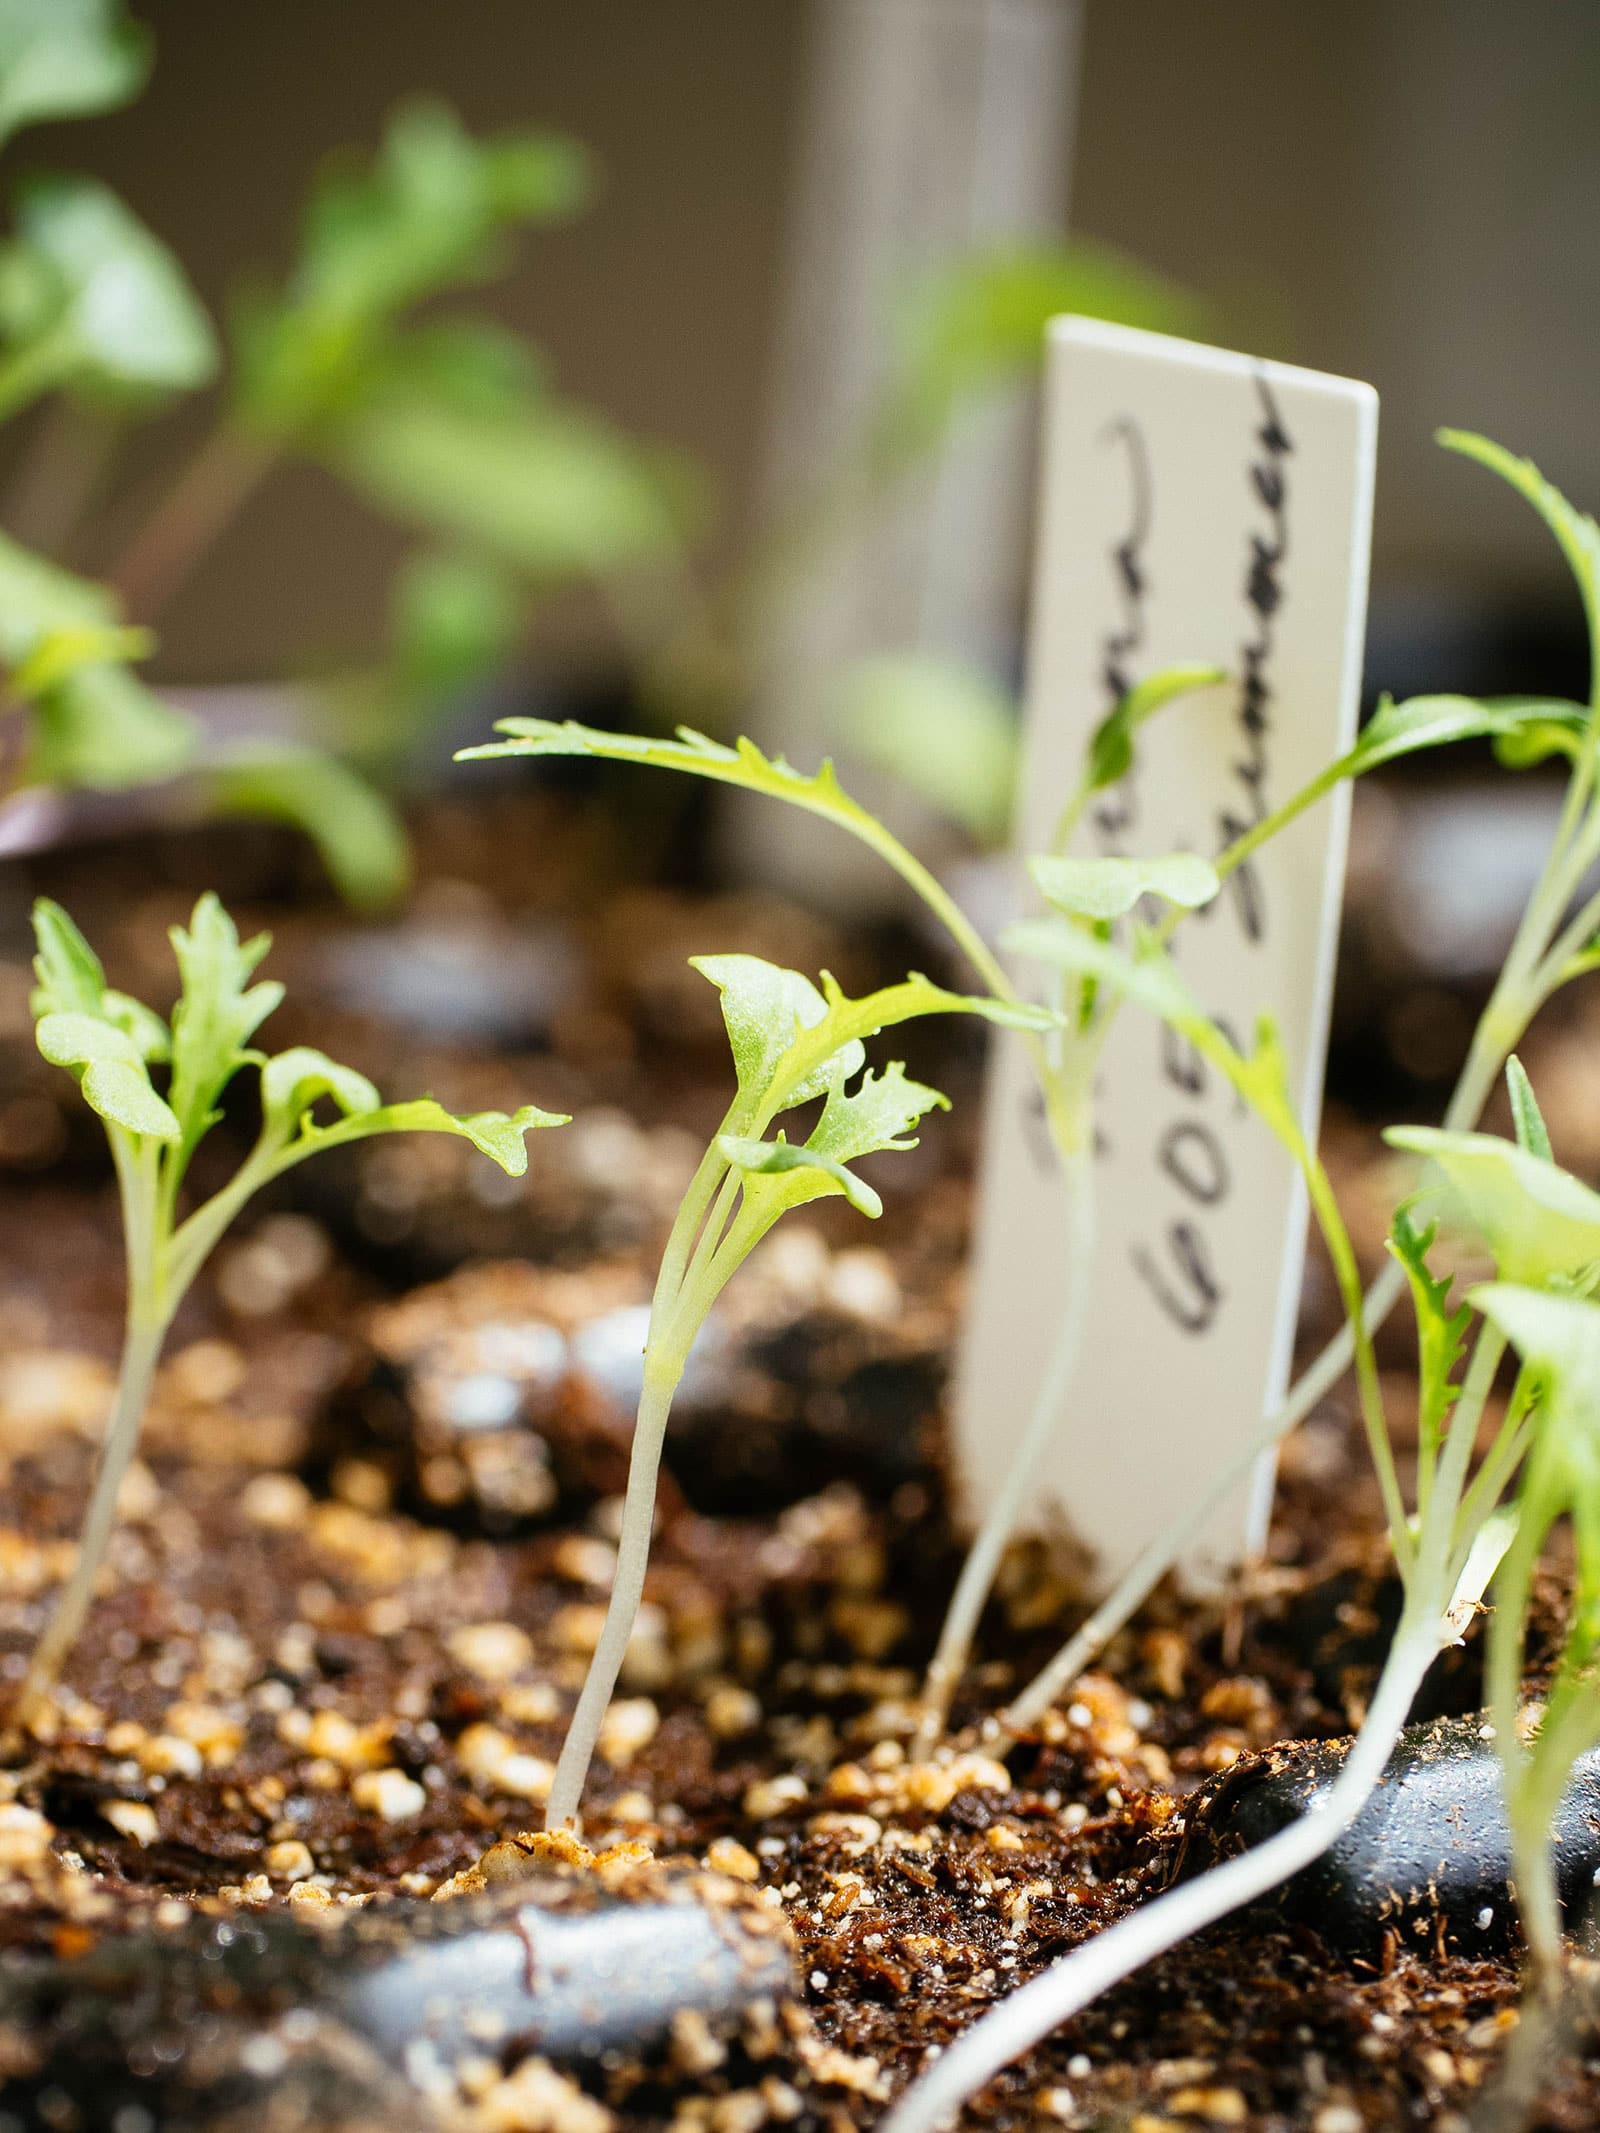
{"points": [[1035, 2009], [676, 1316], [1437, 1535], [140, 1350], [224, 473], [1500, 1463], [1536, 1898], [194, 1241], [149, 1312], [982, 1560], [1573, 938], [686, 1223], [160, 1271], [150, 1305], [1369, 1390], [948, 912], [661, 1374], [1534, 1875]]}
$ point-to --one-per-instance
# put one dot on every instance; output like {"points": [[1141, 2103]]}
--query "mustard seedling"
{"points": [[115, 1048], [792, 1044]]}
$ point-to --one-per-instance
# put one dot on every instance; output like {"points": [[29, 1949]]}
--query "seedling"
{"points": [[448, 424], [110, 1043], [792, 1044]]}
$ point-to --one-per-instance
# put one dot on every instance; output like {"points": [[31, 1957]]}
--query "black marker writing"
{"points": [[1193, 1305], [1117, 811], [1266, 555]]}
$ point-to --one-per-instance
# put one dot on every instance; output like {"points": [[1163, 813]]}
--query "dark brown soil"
{"points": [[336, 1653]]}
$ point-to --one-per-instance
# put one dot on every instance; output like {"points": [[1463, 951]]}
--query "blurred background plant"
{"points": [[444, 422]]}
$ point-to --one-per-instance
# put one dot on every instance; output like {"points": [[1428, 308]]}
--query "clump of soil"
{"points": [[365, 1554]]}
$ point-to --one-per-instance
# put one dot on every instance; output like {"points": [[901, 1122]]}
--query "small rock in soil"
{"points": [[1427, 1860]]}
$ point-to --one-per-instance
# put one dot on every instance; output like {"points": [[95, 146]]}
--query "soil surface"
{"points": [[366, 1549]]}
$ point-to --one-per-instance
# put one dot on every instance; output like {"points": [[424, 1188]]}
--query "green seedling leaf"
{"points": [[497, 1134], [427, 214], [1543, 730], [68, 976], [149, 1033], [876, 1116], [125, 1097], [456, 619], [810, 1063], [807, 1173], [763, 1007], [1441, 1331], [1574, 530], [1523, 729], [93, 724], [112, 1073], [1111, 748], [67, 59], [71, 983], [112, 303], [1523, 725], [1148, 975], [61, 653], [547, 490], [99, 729], [970, 326], [39, 600], [84, 1039], [292, 1081], [1538, 1222], [742, 764], [218, 1012], [1104, 889], [1558, 1335], [1533, 1136], [944, 731], [430, 213], [469, 364], [356, 832]]}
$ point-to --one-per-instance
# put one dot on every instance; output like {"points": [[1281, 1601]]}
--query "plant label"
{"points": [[1198, 508]]}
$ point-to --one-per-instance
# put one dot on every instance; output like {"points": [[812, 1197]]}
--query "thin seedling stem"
{"points": [[141, 1349], [212, 489], [633, 1554], [983, 1557]]}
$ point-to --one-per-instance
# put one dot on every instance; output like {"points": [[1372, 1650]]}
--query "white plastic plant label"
{"points": [[1198, 508]]}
